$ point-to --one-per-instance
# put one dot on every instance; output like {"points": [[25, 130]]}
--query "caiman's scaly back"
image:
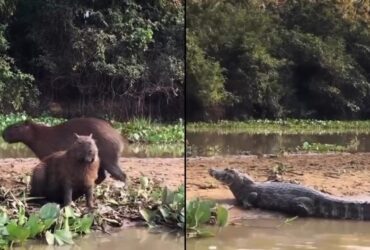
{"points": [[290, 198]]}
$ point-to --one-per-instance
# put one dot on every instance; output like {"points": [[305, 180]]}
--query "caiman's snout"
{"points": [[216, 173], [211, 171], [226, 176]]}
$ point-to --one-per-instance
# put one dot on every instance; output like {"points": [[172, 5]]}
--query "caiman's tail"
{"points": [[344, 209]]}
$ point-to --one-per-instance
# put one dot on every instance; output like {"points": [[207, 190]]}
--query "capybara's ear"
{"points": [[76, 135]]}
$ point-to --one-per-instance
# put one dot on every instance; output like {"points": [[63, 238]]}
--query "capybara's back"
{"points": [[44, 140]]}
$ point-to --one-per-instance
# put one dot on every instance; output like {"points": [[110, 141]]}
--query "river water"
{"points": [[209, 143], [310, 234], [270, 232], [130, 238]]}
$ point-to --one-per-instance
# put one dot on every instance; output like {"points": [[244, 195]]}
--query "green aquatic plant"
{"points": [[51, 223], [324, 147], [287, 126], [144, 130], [168, 210], [199, 213]]}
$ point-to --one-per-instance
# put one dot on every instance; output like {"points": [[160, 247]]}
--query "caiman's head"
{"points": [[230, 176]]}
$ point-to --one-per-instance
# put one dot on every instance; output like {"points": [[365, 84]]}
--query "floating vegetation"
{"points": [[288, 126], [324, 148], [200, 213], [144, 201]]}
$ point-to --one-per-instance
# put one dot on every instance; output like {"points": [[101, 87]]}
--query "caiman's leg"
{"points": [[250, 200], [303, 206]]}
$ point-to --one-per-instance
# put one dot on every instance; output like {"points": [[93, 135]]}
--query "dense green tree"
{"points": [[16, 88], [304, 59], [121, 58]]}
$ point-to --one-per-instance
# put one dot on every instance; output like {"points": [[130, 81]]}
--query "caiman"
{"points": [[290, 198]]}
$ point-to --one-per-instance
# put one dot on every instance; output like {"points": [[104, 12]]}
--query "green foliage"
{"points": [[169, 208], [282, 126], [199, 213], [302, 59], [144, 130], [55, 225], [206, 82], [123, 58]]}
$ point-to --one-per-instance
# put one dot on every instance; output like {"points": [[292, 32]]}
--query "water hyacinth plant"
{"points": [[51, 223], [200, 213]]}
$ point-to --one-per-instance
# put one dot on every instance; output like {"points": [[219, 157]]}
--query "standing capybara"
{"points": [[65, 175], [44, 140]]}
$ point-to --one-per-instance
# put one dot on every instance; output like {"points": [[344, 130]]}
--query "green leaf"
{"points": [[49, 211], [49, 238], [63, 236], [35, 225], [17, 233], [68, 212], [222, 215], [86, 223], [48, 223], [3, 218]]}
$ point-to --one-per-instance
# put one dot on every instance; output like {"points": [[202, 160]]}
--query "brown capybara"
{"points": [[66, 175], [44, 140]]}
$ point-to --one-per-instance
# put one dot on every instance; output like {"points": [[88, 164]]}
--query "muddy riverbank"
{"points": [[168, 171]]}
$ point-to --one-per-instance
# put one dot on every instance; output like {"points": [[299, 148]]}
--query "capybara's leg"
{"points": [[38, 182], [89, 197], [115, 171], [101, 175], [67, 200]]}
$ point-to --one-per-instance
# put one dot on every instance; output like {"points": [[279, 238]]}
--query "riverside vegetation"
{"points": [[281, 126], [146, 200]]}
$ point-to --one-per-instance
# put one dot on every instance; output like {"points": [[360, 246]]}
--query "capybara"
{"points": [[66, 175], [44, 140]]}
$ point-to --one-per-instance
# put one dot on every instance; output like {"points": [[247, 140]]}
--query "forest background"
{"points": [[249, 59]]}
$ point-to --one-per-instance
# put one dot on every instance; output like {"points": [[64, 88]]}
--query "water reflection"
{"points": [[204, 143]]}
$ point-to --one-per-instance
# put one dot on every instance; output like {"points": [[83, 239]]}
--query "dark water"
{"points": [[300, 234], [204, 143], [130, 238], [18, 150]]}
